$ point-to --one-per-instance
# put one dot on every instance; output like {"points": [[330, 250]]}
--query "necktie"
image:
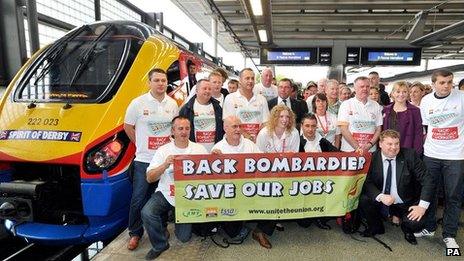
{"points": [[389, 178], [284, 101], [384, 210]]}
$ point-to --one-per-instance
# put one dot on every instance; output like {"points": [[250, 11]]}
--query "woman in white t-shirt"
{"points": [[326, 121], [280, 134]]}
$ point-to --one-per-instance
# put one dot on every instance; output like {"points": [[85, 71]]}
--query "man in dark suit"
{"points": [[284, 90], [312, 141], [397, 183]]}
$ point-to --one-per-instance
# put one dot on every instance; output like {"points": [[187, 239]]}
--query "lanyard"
{"points": [[326, 128]]}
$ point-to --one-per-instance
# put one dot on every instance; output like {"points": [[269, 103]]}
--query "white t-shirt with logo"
{"points": [[245, 146], [152, 121], [252, 113], [327, 126], [268, 92], [362, 120], [166, 181], [445, 121], [270, 143], [204, 123]]}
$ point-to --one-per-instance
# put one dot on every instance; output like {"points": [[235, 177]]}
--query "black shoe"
{"points": [[322, 224], [410, 238], [152, 254]]}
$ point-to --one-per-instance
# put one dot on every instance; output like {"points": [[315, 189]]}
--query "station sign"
{"points": [[391, 56], [383, 56], [296, 56]]}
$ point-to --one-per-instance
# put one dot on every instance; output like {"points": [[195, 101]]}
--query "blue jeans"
{"points": [[450, 173], [152, 215], [141, 192]]}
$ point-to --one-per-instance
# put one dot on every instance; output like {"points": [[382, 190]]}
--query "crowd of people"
{"points": [[416, 137]]}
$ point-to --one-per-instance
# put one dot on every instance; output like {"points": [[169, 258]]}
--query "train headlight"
{"points": [[106, 155]]}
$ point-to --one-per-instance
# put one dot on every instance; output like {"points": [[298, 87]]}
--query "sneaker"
{"points": [[450, 242], [424, 233]]}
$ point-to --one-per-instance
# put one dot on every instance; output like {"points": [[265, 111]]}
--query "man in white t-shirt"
{"points": [[265, 87], [148, 125], [250, 108], [234, 143], [205, 115], [360, 120], [443, 116], [161, 169]]}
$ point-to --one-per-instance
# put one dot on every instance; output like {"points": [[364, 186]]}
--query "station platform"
{"points": [[294, 243]]}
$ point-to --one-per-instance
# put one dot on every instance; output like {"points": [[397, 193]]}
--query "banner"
{"points": [[267, 185]]}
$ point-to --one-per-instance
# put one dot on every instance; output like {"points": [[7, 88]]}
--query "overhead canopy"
{"points": [[435, 25]]}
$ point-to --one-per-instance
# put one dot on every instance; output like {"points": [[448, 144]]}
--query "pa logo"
{"points": [[453, 252]]}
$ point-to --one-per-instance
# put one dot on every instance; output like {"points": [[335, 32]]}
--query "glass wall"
{"points": [[113, 10], [72, 12]]}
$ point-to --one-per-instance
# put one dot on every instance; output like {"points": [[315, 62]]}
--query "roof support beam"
{"points": [[417, 29]]}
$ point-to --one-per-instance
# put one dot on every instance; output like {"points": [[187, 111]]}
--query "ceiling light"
{"points": [[256, 7], [262, 35]]}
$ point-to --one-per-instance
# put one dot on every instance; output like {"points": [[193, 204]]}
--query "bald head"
{"points": [[232, 128], [231, 120]]}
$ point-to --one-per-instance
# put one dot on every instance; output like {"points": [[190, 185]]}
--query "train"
{"points": [[65, 160]]}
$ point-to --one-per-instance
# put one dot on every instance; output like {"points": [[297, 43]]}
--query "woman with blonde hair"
{"points": [[280, 134], [416, 92], [345, 93], [404, 117]]}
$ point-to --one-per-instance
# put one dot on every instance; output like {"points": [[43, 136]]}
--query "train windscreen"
{"points": [[82, 67]]}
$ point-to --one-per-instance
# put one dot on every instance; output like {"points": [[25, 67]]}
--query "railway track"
{"points": [[15, 249]]}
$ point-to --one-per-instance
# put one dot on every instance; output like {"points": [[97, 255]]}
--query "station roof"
{"points": [[438, 26]]}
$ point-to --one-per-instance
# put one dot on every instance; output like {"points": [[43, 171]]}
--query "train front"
{"points": [[64, 157]]}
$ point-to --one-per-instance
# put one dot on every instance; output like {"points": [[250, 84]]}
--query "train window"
{"points": [[173, 73], [79, 69]]}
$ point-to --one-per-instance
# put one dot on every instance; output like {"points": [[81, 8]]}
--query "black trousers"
{"points": [[371, 211], [266, 226]]}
